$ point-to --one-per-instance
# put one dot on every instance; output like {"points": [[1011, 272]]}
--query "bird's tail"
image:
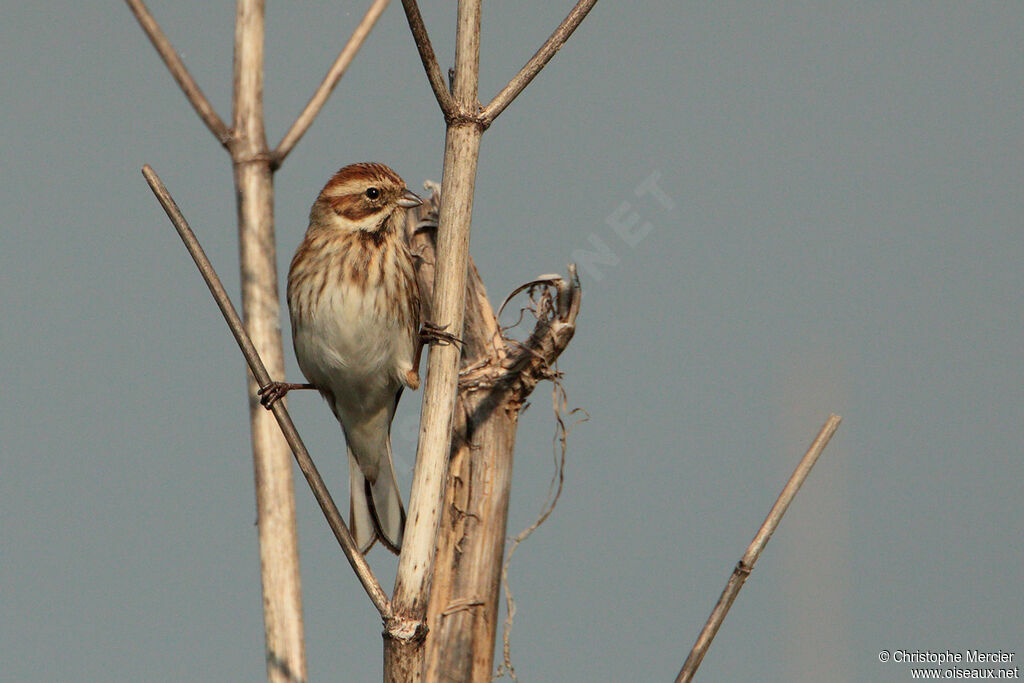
{"points": [[376, 507]]}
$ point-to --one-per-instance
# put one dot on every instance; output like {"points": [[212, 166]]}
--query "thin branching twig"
{"points": [[539, 60], [746, 563], [180, 73], [337, 70], [429, 59]]}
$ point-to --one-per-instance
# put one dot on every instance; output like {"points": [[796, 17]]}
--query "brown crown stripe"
{"points": [[362, 173]]}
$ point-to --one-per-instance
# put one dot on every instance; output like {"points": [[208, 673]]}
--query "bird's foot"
{"points": [[429, 332], [275, 391]]}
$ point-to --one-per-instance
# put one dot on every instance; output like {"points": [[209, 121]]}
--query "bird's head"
{"points": [[368, 197]]}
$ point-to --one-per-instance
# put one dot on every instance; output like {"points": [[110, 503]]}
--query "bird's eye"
{"points": [[372, 192]]}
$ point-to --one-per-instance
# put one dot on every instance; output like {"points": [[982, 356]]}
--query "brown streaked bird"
{"points": [[354, 306]]}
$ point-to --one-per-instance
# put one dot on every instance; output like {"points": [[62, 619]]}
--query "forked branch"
{"points": [[485, 116], [458, 298], [316, 483], [746, 563]]}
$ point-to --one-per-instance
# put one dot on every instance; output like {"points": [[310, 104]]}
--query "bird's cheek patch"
{"points": [[352, 209]]}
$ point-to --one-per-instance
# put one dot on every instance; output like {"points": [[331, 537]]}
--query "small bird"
{"points": [[355, 307]]}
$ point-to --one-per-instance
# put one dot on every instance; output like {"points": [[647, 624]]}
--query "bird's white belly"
{"points": [[350, 344]]}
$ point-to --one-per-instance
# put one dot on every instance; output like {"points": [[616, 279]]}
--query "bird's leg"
{"points": [[275, 391], [429, 332]]}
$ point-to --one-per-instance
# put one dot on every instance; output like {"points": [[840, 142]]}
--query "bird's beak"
{"points": [[409, 199]]}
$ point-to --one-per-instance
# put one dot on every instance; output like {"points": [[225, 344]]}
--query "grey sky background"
{"points": [[843, 234]]}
